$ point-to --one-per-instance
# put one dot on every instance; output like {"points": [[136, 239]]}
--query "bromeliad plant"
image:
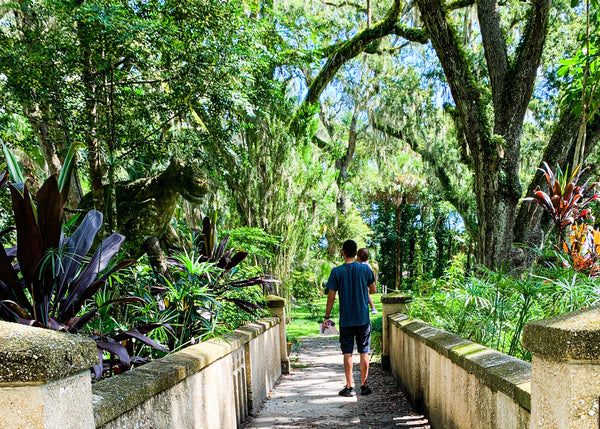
{"points": [[205, 283], [567, 204], [46, 279]]}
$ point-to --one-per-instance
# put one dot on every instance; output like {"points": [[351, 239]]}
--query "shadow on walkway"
{"points": [[308, 397]]}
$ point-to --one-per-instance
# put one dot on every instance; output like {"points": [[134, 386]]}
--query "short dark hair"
{"points": [[349, 248], [363, 254]]}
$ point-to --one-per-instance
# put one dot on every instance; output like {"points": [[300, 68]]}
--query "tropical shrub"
{"points": [[206, 294], [567, 205], [46, 280], [492, 308]]}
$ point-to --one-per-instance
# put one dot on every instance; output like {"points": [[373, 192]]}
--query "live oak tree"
{"points": [[490, 98], [493, 140]]}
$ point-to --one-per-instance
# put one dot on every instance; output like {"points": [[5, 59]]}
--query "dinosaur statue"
{"points": [[145, 206]]}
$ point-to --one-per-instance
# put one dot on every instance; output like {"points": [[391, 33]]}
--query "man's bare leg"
{"points": [[364, 368], [348, 368]]}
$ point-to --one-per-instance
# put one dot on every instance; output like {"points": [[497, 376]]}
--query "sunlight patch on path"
{"points": [[308, 397]]}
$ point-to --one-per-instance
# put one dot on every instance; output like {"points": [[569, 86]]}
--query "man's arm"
{"points": [[372, 288], [330, 301]]}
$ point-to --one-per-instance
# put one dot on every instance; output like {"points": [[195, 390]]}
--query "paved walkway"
{"points": [[308, 396]]}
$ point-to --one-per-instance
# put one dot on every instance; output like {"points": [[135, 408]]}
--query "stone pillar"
{"points": [[276, 306], [45, 380], [565, 370], [395, 302]]}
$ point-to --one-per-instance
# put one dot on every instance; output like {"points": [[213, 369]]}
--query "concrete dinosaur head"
{"points": [[187, 179]]}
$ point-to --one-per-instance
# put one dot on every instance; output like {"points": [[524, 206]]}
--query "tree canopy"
{"points": [[312, 120]]}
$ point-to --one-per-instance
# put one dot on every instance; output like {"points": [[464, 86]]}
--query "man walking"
{"points": [[354, 282]]}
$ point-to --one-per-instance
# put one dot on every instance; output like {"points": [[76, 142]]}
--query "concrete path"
{"points": [[308, 396]]}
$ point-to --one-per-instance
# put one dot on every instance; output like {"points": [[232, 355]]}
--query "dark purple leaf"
{"points": [[220, 248], [138, 360], [29, 239], [50, 213], [247, 306], [77, 246], [9, 278], [119, 266], [78, 323], [207, 234], [149, 327], [223, 262], [236, 259], [99, 367], [116, 349], [30, 322], [16, 309], [134, 333], [55, 326], [123, 300], [11, 252], [104, 253]]}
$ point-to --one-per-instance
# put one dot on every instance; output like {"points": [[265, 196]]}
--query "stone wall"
{"points": [[455, 382], [45, 381], [461, 384], [565, 384], [208, 385]]}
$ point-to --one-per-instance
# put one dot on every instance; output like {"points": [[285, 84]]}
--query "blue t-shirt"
{"points": [[351, 282]]}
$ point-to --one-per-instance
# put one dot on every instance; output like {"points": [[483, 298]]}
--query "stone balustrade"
{"points": [[461, 384], [45, 382], [565, 383]]}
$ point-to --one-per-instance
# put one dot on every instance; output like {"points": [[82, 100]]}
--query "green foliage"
{"points": [[581, 71], [418, 240], [204, 294], [492, 308], [350, 226], [306, 288], [254, 241], [195, 301], [230, 315]]}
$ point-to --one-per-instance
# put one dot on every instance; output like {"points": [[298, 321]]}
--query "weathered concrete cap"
{"points": [[570, 336], [396, 298], [115, 396], [275, 301], [39, 355]]}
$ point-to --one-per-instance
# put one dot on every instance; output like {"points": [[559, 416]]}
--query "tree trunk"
{"points": [[399, 249], [95, 167], [343, 163], [495, 150]]}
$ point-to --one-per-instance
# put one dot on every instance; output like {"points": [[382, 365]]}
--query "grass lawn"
{"points": [[305, 323]]}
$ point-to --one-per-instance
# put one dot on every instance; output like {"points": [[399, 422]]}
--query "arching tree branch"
{"points": [[341, 53], [355, 5], [450, 194], [459, 4]]}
